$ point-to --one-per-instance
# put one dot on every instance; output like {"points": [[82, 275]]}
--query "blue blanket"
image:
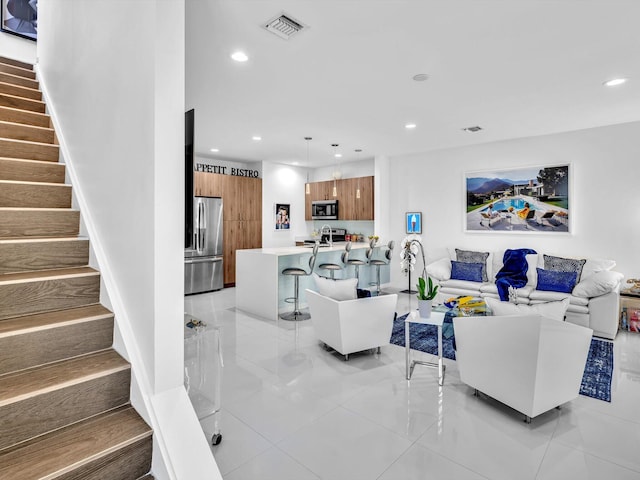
{"points": [[513, 272]]}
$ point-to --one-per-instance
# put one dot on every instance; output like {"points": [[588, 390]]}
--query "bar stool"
{"points": [[356, 262], [332, 267], [378, 263], [297, 273]]}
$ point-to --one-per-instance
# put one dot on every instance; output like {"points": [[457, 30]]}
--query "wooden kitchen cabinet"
{"points": [[349, 207], [242, 200], [208, 184], [241, 210], [365, 204], [317, 191]]}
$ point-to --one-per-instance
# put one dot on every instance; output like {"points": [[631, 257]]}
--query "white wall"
{"points": [[606, 195], [360, 168], [103, 85], [18, 48], [282, 184], [113, 73]]}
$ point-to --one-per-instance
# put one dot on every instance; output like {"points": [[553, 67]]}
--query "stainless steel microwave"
{"points": [[324, 209]]}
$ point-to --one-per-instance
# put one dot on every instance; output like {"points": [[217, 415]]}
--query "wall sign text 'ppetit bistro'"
{"points": [[238, 172]]}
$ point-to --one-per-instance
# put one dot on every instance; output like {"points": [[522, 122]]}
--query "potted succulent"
{"points": [[427, 291]]}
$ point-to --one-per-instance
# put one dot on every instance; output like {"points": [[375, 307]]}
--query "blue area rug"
{"points": [[596, 381]]}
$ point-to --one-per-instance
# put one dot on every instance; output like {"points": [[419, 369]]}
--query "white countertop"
{"points": [[282, 251]]}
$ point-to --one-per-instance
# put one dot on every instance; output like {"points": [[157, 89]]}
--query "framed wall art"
{"points": [[282, 215], [20, 17], [413, 221], [523, 200]]}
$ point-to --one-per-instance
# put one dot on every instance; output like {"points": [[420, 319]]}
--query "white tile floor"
{"points": [[291, 410]]}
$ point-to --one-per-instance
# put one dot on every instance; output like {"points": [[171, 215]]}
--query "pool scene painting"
{"points": [[528, 199]]}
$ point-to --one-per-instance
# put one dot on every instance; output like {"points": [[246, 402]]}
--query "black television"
{"points": [[188, 176]]}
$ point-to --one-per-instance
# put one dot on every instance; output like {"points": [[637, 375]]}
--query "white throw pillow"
{"points": [[595, 265], [440, 270], [532, 273], [337, 289], [553, 310], [597, 284]]}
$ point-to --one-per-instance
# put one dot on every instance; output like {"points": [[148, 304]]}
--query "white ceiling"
{"points": [[517, 68]]}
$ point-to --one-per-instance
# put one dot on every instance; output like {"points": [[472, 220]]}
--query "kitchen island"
{"points": [[261, 288]]}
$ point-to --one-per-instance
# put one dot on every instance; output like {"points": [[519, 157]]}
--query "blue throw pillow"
{"points": [[553, 281], [363, 293], [471, 272]]}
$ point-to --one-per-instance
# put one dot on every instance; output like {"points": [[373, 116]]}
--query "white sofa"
{"points": [[350, 326], [528, 362], [593, 303]]}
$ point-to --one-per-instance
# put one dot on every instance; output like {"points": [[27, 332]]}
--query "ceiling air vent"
{"points": [[284, 26]]}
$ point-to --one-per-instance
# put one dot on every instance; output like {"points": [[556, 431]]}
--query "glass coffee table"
{"points": [[437, 319], [441, 317]]}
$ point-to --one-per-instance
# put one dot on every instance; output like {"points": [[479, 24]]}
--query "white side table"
{"points": [[437, 319]]}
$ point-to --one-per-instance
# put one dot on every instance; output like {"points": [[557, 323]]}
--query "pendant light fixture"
{"points": [[358, 150], [307, 186], [335, 173]]}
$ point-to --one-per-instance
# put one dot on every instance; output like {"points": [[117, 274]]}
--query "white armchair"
{"points": [[350, 326], [528, 362]]}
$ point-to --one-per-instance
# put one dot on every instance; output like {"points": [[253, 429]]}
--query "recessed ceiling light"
{"points": [[473, 129], [410, 126], [215, 150], [256, 138], [338, 155], [421, 77], [614, 82], [239, 56], [295, 163]]}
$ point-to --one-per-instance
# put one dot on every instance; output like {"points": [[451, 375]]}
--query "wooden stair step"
{"points": [[34, 194], [48, 397], [16, 63], [17, 80], [16, 115], [20, 169], [18, 71], [114, 445], [20, 91], [33, 254], [28, 133], [48, 291], [66, 333], [38, 222], [31, 170], [31, 150], [22, 103]]}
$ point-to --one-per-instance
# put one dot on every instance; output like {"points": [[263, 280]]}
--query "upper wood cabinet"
{"points": [[208, 184], [364, 204], [349, 207]]}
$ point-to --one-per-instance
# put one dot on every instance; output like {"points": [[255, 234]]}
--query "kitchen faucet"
{"points": [[323, 232]]}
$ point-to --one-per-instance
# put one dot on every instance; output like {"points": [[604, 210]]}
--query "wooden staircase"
{"points": [[64, 392]]}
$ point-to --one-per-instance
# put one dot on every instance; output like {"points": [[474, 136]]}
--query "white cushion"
{"points": [[496, 263], [466, 284], [440, 270], [489, 288], [553, 310], [532, 273], [548, 296], [336, 289], [597, 284], [595, 265]]}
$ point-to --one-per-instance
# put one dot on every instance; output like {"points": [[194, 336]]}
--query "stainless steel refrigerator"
{"points": [[203, 263]]}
